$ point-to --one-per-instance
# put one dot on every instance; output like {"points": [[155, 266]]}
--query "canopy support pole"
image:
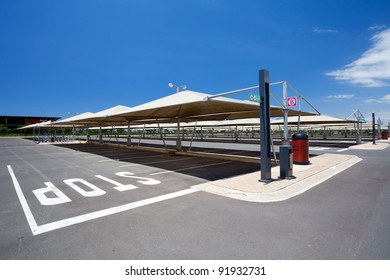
{"points": [[162, 136], [111, 133], [193, 134], [299, 121], [265, 127], [273, 151], [128, 134], [178, 139], [285, 116], [324, 137], [142, 135], [88, 135], [115, 132], [100, 135], [373, 128]]}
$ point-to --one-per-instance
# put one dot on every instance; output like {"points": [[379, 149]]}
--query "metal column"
{"points": [[373, 128], [178, 139], [128, 134], [285, 115], [101, 135], [265, 127]]}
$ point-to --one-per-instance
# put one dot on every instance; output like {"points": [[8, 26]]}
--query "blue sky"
{"points": [[75, 56]]}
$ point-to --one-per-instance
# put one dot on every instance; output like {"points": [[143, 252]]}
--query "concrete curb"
{"points": [[379, 145], [322, 168]]}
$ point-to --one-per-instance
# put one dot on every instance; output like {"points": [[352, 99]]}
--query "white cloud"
{"points": [[377, 27], [319, 30], [384, 99], [372, 69], [341, 96]]}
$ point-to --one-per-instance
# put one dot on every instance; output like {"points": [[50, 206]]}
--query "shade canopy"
{"points": [[74, 120], [318, 119], [105, 117], [192, 106], [185, 106], [37, 125]]}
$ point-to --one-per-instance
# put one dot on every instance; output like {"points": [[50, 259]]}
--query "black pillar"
{"points": [[265, 127], [373, 128]]}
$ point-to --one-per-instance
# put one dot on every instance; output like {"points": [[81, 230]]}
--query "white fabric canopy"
{"points": [[37, 125], [105, 117], [318, 119], [185, 106], [191, 106]]}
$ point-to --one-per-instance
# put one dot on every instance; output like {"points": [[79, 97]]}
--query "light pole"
{"points": [[178, 88]]}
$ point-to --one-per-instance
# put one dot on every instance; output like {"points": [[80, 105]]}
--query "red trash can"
{"points": [[385, 135], [300, 147]]}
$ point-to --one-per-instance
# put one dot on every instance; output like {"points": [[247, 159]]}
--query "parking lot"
{"points": [[61, 185], [89, 201]]}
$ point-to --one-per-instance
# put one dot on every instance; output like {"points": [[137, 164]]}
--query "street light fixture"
{"points": [[178, 88]]}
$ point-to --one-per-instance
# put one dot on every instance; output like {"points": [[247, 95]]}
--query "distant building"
{"points": [[18, 121]]}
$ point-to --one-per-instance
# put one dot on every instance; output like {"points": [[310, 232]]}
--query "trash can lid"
{"points": [[300, 136]]}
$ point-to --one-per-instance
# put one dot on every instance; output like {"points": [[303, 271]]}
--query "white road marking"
{"points": [[35, 229], [106, 160], [126, 158], [30, 218], [319, 148], [91, 156], [342, 150], [109, 211], [188, 168], [146, 163]]}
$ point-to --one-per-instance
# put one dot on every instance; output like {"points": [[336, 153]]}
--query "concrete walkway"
{"points": [[247, 187], [379, 145]]}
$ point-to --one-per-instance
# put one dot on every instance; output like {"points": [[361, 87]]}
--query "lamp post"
{"points": [[178, 88]]}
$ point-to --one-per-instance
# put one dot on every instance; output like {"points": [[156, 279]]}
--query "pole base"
{"points": [[266, 180], [287, 177]]}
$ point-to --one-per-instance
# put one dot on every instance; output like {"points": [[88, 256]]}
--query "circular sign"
{"points": [[291, 101]]}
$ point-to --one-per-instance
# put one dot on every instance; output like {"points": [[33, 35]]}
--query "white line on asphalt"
{"points": [[342, 150], [319, 148], [188, 168], [146, 163], [35, 229], [110, 211], [127, 158], [30, 218]]}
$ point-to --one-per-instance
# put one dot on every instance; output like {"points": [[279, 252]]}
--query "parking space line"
{"points": [[146, 163], [27, 211], [126, 158], [189, 168], [106, 160], [319, 148]]}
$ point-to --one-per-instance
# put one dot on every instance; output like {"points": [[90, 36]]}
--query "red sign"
{"points": [[291, 101]]}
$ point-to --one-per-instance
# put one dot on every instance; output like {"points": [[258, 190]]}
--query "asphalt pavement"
{"points": [[83, 201]]}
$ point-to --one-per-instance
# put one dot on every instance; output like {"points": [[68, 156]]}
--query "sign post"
{"points": [[265, 127]]}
